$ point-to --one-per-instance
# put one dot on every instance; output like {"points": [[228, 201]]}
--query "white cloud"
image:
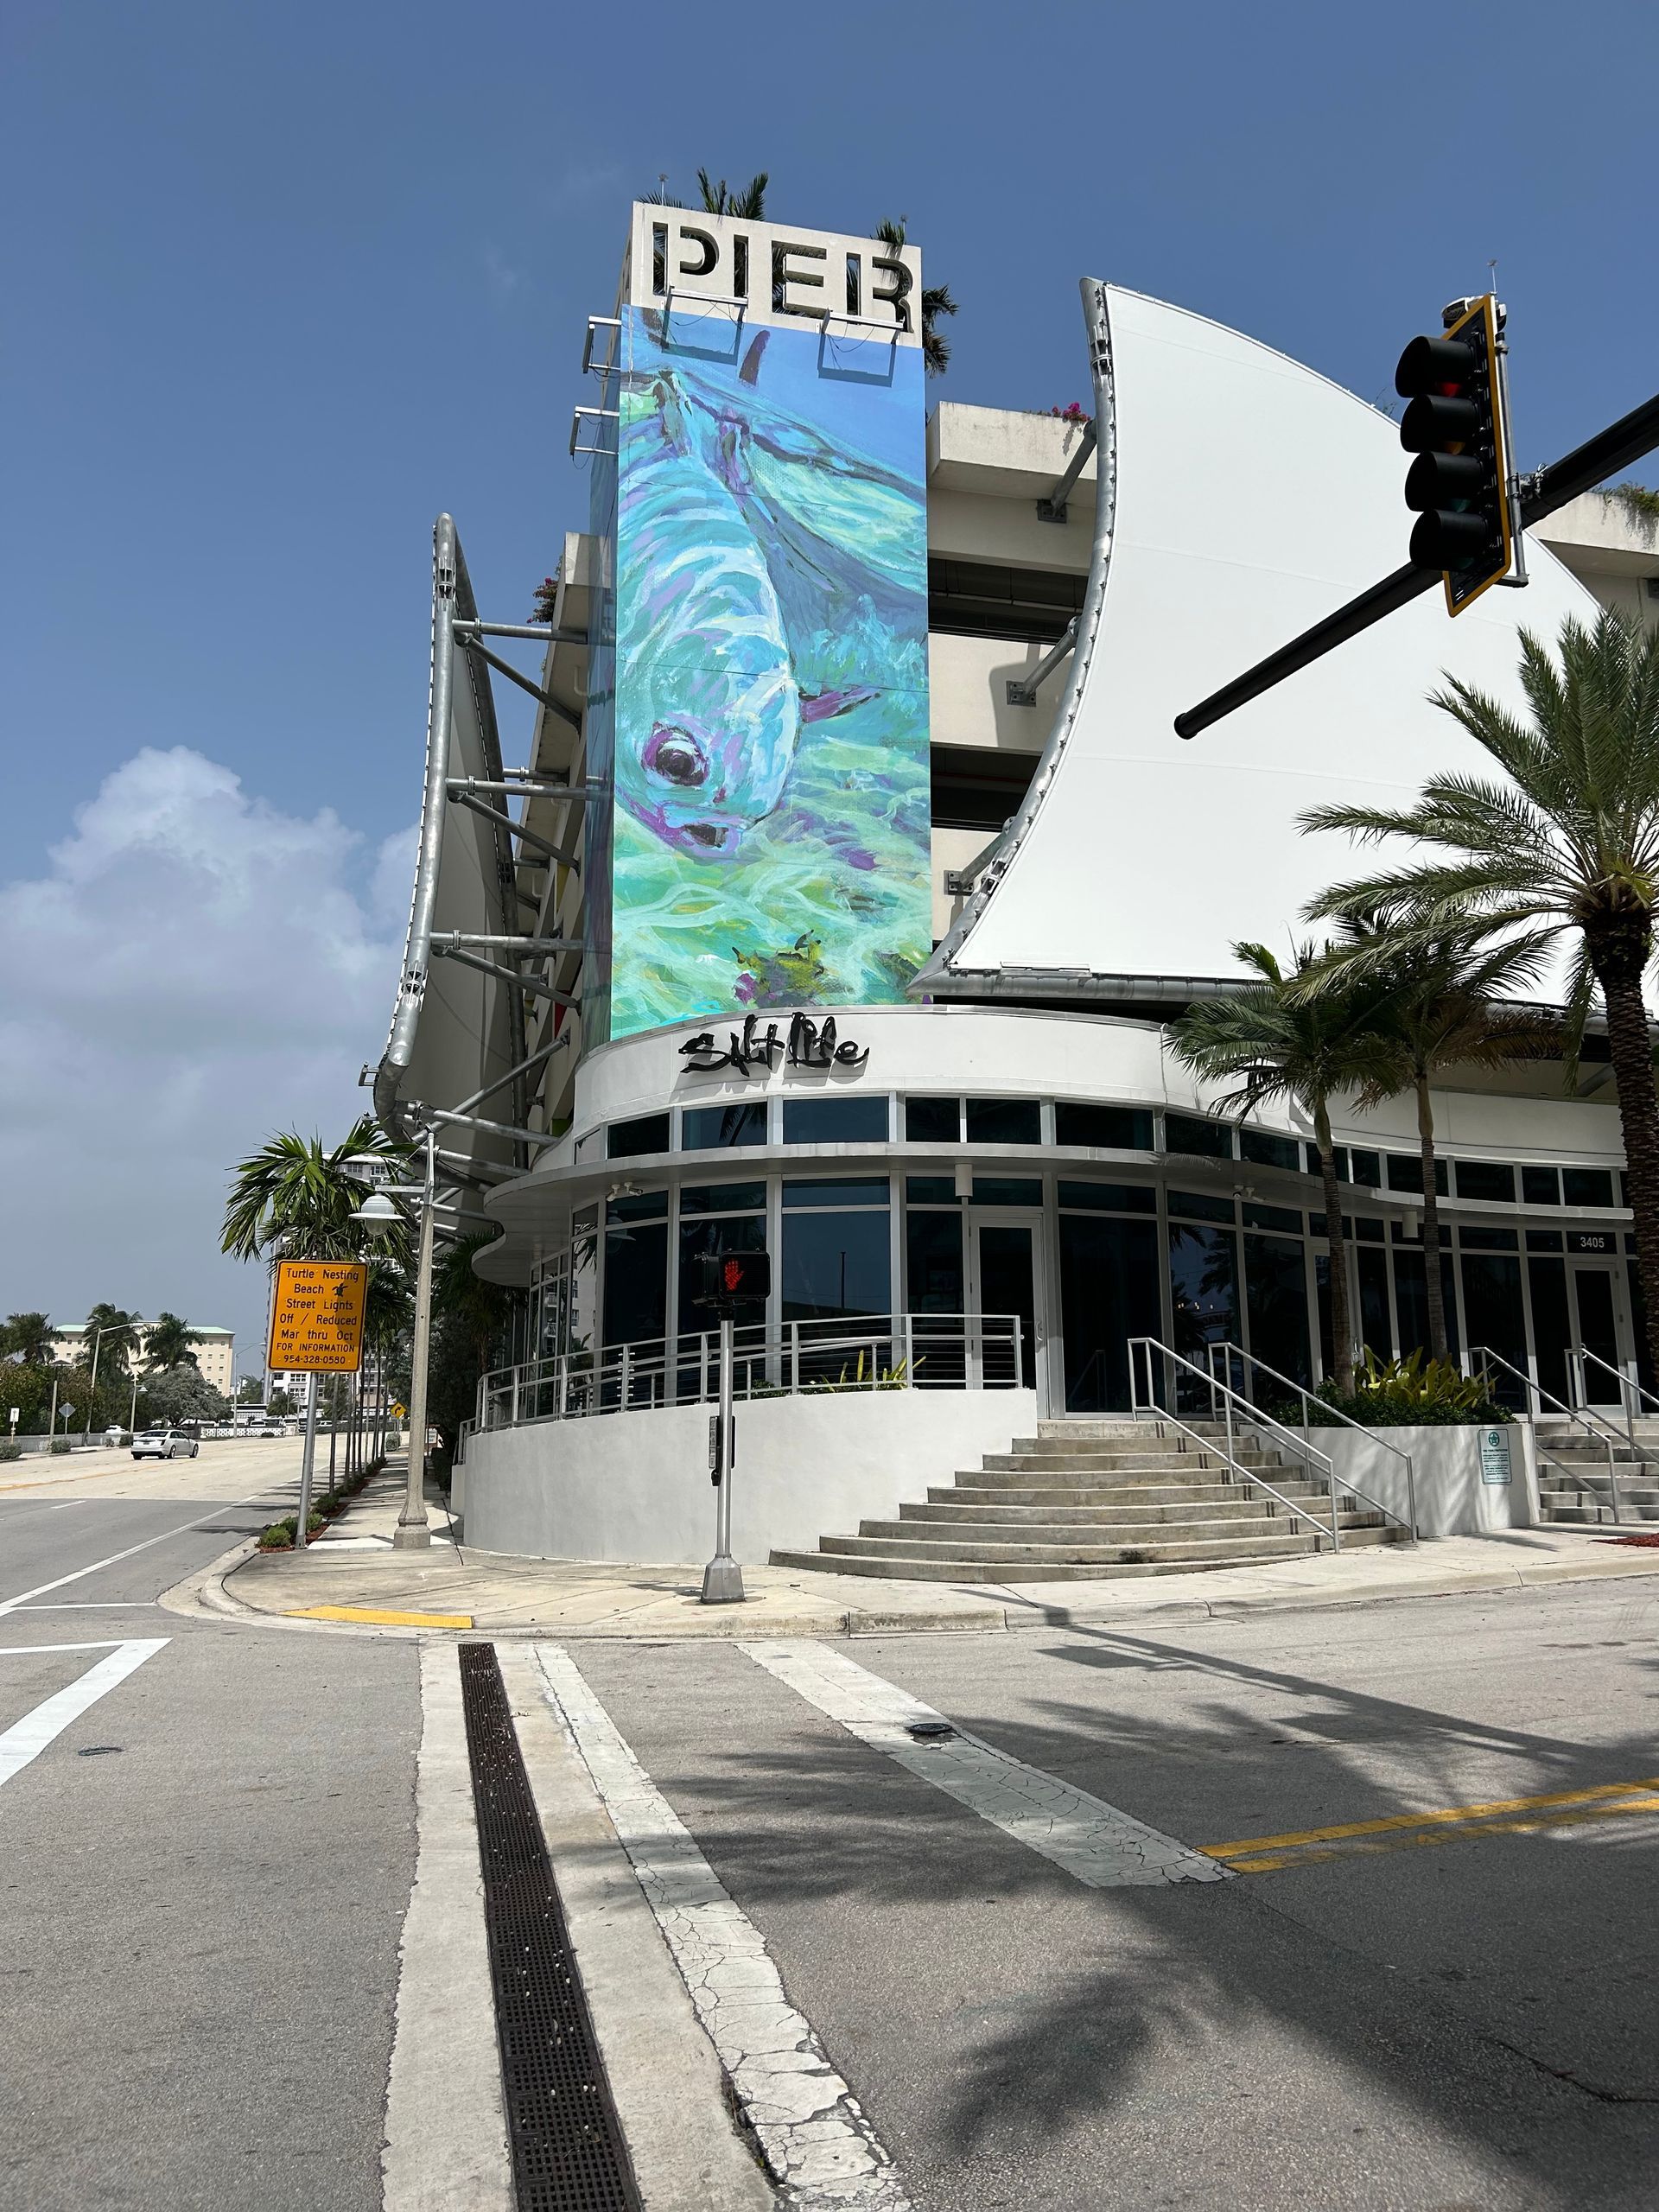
{"points": [[193, 969]]}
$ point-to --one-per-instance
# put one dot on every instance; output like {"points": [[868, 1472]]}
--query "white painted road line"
{"points": [[27, 1650], [11, 1604], [27, 1737], [446, 2133], [817, 2141], [1091, 1840]]}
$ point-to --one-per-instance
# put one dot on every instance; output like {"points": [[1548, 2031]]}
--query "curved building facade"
{"points": [[856, 873]]}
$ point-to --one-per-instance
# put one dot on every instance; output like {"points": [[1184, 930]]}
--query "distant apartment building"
{"points": [[215, 1355]]}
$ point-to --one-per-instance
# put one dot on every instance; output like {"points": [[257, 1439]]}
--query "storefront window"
{"points": [[1411, 1299], [935, 1285], [1587, 1186], [636, 1268], [836, 1258], [1376, 1330], [1105, 1128], [632, 1140], [1275, 1285], [835, 1120], [705, 1230], [933, 1121], [1203, 1289], [1552, 1328], [1193, 1133], [704, 1128], [1109, 1292], [1495, 1318], [1004, 1120]]}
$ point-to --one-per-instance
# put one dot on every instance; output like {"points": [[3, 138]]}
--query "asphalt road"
{"points": [[203, 1875], [1468, 2022]]}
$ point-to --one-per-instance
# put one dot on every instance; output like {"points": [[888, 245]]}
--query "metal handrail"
{"points": [[1626, 1382], [799, 1358], [1255, 1419], [1334, 1414], [1603, 1432]]}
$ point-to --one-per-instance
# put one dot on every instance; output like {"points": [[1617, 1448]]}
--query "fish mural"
{"points": [[770, 700]]}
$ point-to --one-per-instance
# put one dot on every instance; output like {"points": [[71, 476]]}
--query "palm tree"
{"points": [[1274, 1042], [749, 203], [29, 1337], [291, 1188], [110, 1332], [1441, 1005], [935, 302], [1566, 847], [167, 1344]]}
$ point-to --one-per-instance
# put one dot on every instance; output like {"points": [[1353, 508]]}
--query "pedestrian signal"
{"points": [[732, 1277]]}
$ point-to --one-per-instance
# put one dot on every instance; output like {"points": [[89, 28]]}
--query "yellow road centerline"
{"points": [[1422, 1838], [1444, 1815], [380, 1619]]}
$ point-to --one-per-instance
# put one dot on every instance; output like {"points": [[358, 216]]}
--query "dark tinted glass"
{"points": [[1375, 1329], [1405, 1173], [1008, 1191], [933, 1121], [1005, 1120], [636, 1283], [1275, 1295], [1552, 1327], [837, 1191], [1365, 1231], [1201, 1208], [630, 1140], [933, 1257], [1108, 1128], [1110, 1197], [1411, 1299], [1339, 1160], [1489, 1240], [723, 1197], [1280, 1217], [1268, 1151], [1491, 1308], [643, 1205], [1587, 1186], [1542, 1186], [704, 1127], [1191, 1133], [1543, 1240], [1367, 1169], [835, 1263], [835, 1120], [1109, 1292], [931, 1190], [742, 1233], [1204, 1284], [1487, 1180]]}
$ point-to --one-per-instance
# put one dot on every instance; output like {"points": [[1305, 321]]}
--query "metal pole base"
{"points": [[723, 1581], [410, 1535]]}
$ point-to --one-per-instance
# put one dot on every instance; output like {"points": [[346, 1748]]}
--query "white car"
{"points": [[164, 1444]]}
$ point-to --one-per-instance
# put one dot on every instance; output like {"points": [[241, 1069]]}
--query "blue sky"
{"points": [[282, 283]]}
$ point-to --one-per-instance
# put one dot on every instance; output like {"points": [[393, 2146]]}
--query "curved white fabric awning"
{"points": [[1252, 497]]}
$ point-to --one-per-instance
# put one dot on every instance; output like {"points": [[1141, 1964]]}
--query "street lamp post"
{"points": [[111, 1328], [377, 1212]]}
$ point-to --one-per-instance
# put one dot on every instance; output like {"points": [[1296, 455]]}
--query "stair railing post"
{"points": [[1232, 1456]]}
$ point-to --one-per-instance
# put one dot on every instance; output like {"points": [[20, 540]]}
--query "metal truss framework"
{"points": [[509, 953]]}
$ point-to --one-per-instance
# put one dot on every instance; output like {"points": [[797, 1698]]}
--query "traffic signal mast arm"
{"points": [[1540, 493]]}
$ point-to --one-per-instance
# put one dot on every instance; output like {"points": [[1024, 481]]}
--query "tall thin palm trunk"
{"points": [[1620, 961], [1342, 1330], [1434, 1274]]}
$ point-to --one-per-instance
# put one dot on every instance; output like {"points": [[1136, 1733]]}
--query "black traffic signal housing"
{"points": [[1456, 423], [729, 1279]]}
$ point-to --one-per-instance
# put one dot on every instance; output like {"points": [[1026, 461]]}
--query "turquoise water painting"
{"points": [[770, 819]]}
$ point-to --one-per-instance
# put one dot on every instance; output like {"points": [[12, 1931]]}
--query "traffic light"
{"points": [[732, 1277], [1456, 423]]}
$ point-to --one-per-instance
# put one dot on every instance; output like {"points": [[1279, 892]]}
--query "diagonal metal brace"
{"points": [[459, 796], [1053, 509], [1022, 689], [533, 984], [524, 682]]}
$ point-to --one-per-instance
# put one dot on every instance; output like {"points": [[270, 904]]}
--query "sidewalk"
{"points": [[354, 1578]]}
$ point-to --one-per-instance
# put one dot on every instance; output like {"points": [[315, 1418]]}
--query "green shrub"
{"points": [[59, 1444], [1416, 1392], [9, 1451], [279, 1537]]}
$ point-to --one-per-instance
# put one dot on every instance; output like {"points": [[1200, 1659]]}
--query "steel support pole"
{"points": [[307, 1456], [722, 1578], [412, 1530]]}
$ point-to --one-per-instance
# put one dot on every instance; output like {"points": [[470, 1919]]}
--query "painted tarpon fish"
{"points": [[711, 712]]}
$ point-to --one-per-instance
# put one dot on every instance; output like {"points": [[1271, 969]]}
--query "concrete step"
{"points": [[1112, 1496], [1085, 1539], [1189, 1466], [1102, 1463], [900, 1568], [944, 1506], [1211, 1550]]}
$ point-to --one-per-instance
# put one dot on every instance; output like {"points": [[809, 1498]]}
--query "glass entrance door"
{"points": [[1003, 1280], [1599, 1327]]}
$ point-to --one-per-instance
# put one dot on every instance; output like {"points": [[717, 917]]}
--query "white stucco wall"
{"points": [[1452, 1500], [635, 1486]]}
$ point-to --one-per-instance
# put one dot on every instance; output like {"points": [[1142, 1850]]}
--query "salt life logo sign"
{"points": [[809, 1045], [773, 274]]}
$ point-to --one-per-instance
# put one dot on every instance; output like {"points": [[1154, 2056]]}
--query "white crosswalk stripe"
{"points": [[1091, 1840]]}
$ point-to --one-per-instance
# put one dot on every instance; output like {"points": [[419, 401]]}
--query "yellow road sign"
{"points": [[316, 1316], [400, 1413]]}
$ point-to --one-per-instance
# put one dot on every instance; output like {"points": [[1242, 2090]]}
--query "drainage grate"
{"points": [[568, 2153]]}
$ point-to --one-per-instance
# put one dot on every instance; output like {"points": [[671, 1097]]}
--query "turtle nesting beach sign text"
{"points": [[768, 768], [316, 1316]]}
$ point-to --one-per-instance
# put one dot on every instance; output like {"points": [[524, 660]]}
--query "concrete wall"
{"points": [[1452, 1500], [635, 1486]]}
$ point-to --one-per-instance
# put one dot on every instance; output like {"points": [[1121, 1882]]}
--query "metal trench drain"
{"points": [[568, 2151]]}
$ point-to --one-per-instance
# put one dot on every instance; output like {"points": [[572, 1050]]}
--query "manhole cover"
{"points": [[929, 1732]]}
